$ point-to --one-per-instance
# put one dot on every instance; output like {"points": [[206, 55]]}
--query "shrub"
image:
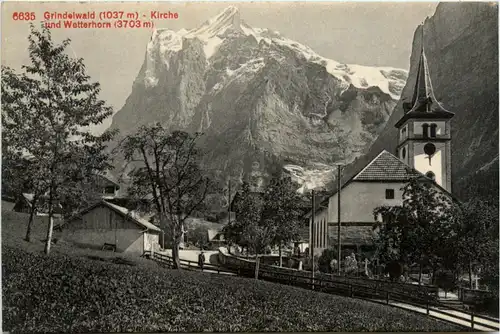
{"points": [[446, 280], [395, 270], [326, 257]]}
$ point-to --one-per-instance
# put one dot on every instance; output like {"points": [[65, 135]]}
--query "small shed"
{"points": [[108, 225]]}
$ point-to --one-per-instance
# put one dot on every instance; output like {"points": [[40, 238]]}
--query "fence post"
{"points": [[428, 306], [257, 263], [387, 298], [350, 287], [472, 318]]}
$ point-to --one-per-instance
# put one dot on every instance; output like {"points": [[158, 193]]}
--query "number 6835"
{"points": [[23, 16]]}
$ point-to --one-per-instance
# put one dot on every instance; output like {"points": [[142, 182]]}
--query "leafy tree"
{"points": [[446, 280], [46, 112], [247, 228], [282, 211], [270, 218], [477, 238], [199, 236], [421, 230], [166, 175], [325, 259], [258, 236]]}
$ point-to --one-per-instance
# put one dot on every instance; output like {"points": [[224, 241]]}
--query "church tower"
{"points": [[424, 136]]}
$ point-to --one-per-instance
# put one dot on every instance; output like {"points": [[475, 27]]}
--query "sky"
{"points": [[372, 34]]}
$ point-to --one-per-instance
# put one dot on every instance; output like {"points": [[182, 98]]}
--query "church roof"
{"points": [[423, 103], [386, 167]]}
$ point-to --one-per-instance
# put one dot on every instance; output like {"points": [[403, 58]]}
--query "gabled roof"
{"points": [[28, 198], [109, 178], [212, 234], [386, 167], [124, 212]]}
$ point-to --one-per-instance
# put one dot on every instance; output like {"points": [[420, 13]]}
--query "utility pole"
{"points": [[229, 210], [313, 200], [339, 258], [229, 200]]}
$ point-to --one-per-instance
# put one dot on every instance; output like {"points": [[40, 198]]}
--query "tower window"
{"points": [[433, 130], [403, 153], [403, 133], [425, 130], [431, 175], [389, 194]]}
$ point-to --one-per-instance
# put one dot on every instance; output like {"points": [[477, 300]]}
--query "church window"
{"points": [[403, 153], [389, 193], [425, 130], [433, 130], [403, 133], [431, 175]]}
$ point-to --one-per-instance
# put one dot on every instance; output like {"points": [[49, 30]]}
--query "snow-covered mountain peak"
{"points": [[213, 32], [227, 19]]}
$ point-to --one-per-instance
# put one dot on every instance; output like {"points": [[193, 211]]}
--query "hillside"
{"points": [[95, 297]]}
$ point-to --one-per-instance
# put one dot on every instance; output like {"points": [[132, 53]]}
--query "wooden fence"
{"points": [[423, 291], [375, 293]]}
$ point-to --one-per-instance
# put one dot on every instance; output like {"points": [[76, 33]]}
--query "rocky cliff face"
{"points": [[461, 44], [258, 96]]}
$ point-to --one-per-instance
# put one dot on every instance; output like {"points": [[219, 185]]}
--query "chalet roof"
{"points": [[42, 205], [124, 212], [212, 234], [386, 167], [110, 178], [424, 103], [28, 198], [134, 215]]}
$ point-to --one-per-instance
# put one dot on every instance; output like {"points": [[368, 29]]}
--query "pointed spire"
{"points": [[423, 102], [423, 94]]}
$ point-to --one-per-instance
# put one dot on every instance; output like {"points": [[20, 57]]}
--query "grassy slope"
{"points": [[75, 293]]}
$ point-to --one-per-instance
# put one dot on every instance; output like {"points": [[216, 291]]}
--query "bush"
{"points": [[489, 306], [326, 257], [446, 280], [395, 269], [68, 294]]}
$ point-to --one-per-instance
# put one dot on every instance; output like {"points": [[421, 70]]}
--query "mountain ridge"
{"points": [[258, 96]]}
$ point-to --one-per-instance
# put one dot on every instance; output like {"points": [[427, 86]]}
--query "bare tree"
{"points": [[166, 174]]}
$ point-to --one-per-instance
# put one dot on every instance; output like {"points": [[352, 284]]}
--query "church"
{"points": [[423, 150]]}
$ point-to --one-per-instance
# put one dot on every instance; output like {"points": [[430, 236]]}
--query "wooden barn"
{"points": [[106, 225]]}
